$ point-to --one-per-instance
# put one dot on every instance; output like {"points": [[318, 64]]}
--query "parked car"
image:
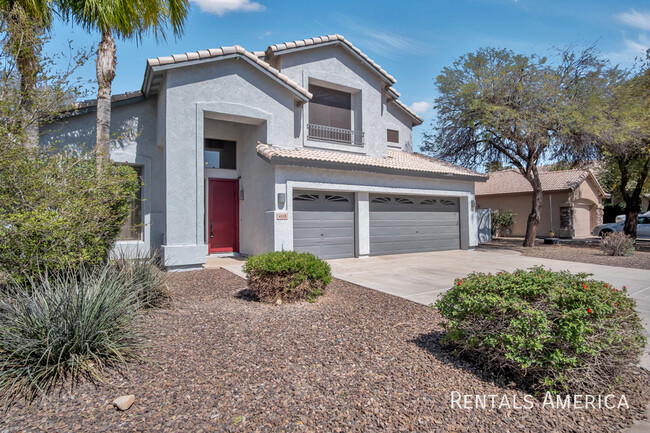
{"points": [[620, 218], [642, 228]]}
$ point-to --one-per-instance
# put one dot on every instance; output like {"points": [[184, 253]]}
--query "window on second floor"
{"points": [[392, 136], [220, 154], [329, 107]]}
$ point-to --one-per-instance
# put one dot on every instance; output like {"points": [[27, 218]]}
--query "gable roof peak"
{"points": [[278, 49]]}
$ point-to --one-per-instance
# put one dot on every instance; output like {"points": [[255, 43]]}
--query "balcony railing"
{"points": [[334, 135]]}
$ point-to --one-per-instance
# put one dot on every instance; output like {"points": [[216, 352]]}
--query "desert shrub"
{"points": [[502, 220], [617, 244], [287, 276], [65, 328], [146, 278], [56, 213], [544, 330]]}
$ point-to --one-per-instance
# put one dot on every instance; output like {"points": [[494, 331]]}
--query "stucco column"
{"points": [[362, 223], [466, 223]]}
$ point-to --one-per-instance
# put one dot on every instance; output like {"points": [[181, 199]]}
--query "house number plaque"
{"points": [[283, 216]]}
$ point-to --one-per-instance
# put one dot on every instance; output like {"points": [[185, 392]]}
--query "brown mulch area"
{"points": [[585, 252], [356, 360]]}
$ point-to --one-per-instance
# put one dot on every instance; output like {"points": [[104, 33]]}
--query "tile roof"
{"points": [[115, 98], [324, 39], [513, 182], [224, 51], [395, 160]]}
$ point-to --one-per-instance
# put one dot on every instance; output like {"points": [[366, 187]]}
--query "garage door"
{"points": [[323, 223], [407, 224]]}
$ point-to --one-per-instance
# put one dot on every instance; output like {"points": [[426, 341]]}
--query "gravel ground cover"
{"points": [[356, 360], [585, 252]]}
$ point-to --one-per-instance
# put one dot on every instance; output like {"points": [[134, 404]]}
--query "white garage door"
{"points": [[323, 223], [407, 224]]}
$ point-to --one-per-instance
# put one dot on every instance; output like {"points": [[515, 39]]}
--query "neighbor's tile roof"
{"points": [[115, 98], [513, 182], [324, 39], [223, 51], [395, 160]]}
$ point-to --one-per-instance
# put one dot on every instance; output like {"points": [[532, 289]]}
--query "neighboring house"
{"points": [[304, 146], [572, 203]]}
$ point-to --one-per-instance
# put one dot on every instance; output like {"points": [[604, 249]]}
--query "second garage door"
{"points": [[407, 224], [323, 223]]}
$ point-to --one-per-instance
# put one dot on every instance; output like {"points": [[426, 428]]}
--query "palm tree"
{"points": [[126, 19], [24, 23]]}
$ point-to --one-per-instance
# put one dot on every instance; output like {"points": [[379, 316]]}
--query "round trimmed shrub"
{"points": [[544, 330], [287, 276]]}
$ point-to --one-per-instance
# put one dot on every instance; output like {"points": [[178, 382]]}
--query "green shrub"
{"points": [[544, 330], [56, 213], [287, 276], [146, 278], [617, 244], [502, 220], [64, 328]]}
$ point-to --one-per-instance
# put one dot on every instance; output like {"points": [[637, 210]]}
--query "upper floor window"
{"points": [[329, 107], [392, 136], [220, 154]]}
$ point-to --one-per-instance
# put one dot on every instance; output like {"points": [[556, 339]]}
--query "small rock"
{"points": [[278, 302], [124, 402]]}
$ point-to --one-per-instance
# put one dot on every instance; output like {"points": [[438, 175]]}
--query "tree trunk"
{"points": [[25, 46], [633, 199], [535, 213], [105, 63]]}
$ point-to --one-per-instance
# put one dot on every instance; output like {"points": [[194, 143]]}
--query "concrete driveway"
{"points": [[421, 277]]}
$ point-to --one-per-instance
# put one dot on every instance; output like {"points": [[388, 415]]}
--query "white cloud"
{"points": [[221, 7], [421, 107], [639, 20]]}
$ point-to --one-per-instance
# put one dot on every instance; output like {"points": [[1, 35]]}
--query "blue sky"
{"points": [[412, 40]]}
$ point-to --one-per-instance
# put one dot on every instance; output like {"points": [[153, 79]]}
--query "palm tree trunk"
{"points": [[25, 45], [105, 63], [536, 212]]}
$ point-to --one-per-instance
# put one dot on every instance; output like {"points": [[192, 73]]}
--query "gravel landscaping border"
{"points": [[355, 360], [573, 251]]}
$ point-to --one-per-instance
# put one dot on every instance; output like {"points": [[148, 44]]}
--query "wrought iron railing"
{"points": [[334, 135]]}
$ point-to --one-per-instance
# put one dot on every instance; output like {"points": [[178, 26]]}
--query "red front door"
{"points": [[223, 215]]}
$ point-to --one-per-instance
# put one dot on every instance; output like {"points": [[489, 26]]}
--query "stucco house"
{"points": [[303, 146], [572, 201]]}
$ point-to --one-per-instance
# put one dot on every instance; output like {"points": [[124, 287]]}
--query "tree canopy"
{"points": [[495, 105], [623, 139]]}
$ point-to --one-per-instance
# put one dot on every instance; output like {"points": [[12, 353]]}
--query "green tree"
{"points": [[493, 166], [126, 19], [23, 24], [623, 134], [54, 211], [495, 105]]}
